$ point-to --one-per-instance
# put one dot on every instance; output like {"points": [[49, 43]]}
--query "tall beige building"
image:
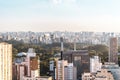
{"points": [[60, 64], [113, 57], [5, 61], [65, 70]]}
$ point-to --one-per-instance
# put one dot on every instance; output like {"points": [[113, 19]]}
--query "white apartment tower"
{"points": [[95, 64], [5, 61]]}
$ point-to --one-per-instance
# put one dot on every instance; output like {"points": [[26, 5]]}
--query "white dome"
{"points": [[22, 54]]}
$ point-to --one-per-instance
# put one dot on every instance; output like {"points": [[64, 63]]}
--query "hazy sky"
{"points": [[60, 15]]}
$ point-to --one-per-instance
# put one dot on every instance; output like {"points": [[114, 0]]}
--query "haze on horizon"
{"points": [[60, 15]]}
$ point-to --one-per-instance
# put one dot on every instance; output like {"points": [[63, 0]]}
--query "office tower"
{"points": [[80, 59], [113, 50], [5, 61], [70, 72]]}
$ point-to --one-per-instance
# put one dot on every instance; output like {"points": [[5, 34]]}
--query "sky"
{"points": [[60, 15]]}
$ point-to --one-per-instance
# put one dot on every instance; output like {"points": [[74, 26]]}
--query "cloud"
{"points": [[56, 2], [69, 1]]}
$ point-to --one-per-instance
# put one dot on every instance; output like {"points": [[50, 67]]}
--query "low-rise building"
{"points": [[114, 68], [27, 67], [104, 74], [88, 76]]}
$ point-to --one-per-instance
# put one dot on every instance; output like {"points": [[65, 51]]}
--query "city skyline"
{"points": [[59, 15]]}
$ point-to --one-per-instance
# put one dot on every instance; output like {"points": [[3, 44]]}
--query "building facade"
{"points": [[5, 61], [70, 72], [95, 64], [27, 66], [114, 69], [113, 50], [88, 76], [65, 70], [80, 59], [60, 64], [104, 74]]}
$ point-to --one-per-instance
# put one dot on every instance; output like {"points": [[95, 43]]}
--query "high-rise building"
{"points": [[113, 50], [60, 65], [95, 64], [70, 72], [65, 70], [5, 61], [80, 59]]}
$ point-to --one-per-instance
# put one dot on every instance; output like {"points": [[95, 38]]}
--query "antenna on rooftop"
{"points": [[61, 40], [75, 45]]}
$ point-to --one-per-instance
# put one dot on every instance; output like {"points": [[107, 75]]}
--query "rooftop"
{"points": [[82, 52]]}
